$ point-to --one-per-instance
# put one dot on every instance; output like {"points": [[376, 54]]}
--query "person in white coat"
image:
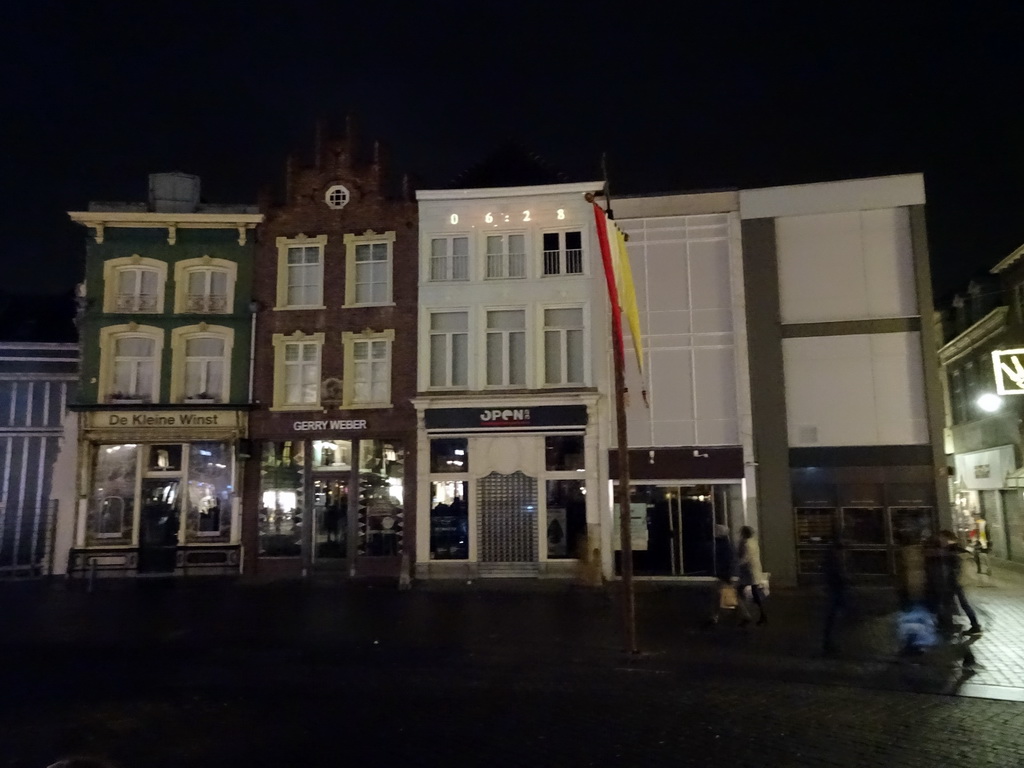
{"points": [[750, 572]]}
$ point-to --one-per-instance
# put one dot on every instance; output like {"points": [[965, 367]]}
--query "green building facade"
{"points": [[165, 324]]}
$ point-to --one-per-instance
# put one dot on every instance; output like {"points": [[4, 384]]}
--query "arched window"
{"points": [[204, 286], [134, 285], [130, 363], [202, 369]]}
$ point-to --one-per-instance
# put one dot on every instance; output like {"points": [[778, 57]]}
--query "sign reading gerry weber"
{"points": [[496, 417]]}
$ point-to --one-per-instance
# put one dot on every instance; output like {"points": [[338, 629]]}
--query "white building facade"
{"points": [[513, 343], [690, 444], [788, 376], [845, 394]]}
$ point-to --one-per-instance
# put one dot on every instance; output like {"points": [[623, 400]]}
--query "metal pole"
{"points": [[625, 531]]}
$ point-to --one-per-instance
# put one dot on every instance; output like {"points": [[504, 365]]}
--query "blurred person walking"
{"points": [[836, 587], [954, 590], [726, 597], [750, 573]]}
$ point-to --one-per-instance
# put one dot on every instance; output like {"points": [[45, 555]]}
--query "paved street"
{"points": [[159, 675]]}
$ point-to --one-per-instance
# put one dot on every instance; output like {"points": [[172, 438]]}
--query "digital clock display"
{"points": [[496, 218]]}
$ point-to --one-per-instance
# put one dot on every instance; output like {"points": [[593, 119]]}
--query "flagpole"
{"points": [[625, 531]]}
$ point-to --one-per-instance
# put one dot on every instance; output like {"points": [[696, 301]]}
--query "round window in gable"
{"points": [[337, 196]]}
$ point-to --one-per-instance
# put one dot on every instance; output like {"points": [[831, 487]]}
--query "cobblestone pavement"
{"points": [[313, 712], [160, 675]]}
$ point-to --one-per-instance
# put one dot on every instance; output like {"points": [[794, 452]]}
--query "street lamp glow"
{"points": [[990, 403]]}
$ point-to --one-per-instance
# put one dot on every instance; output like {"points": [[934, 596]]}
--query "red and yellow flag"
{"points": [[619, 278]]}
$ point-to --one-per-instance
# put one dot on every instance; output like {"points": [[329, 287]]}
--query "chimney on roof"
{"points": [[173, 192]]}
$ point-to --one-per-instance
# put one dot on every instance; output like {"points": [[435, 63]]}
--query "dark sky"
{"points": [[721, 94]]}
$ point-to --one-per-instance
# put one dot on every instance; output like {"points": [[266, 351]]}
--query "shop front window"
{"points": [[449, 455], [281, 499], [332, 455], [111, 510], [563, 453], [163, 458], [449, 520], [381, 505], [208, 503], [566, 518]]}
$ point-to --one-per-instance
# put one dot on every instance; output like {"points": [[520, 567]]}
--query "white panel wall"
{"points": [[865, 389], [846, 266], [681, 271]]}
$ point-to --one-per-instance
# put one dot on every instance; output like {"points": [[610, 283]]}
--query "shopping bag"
{"points": [[727, 596]]}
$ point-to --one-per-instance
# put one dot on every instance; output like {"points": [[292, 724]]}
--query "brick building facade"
{"points": [[333, 432]]}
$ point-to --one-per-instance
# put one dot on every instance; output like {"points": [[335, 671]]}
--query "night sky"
{"points": [[724, 94]]}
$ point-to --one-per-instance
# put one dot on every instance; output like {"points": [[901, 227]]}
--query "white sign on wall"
{"points": [[1008, 368], [637, 526]]}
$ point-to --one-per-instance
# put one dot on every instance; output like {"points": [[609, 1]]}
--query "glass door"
{"points": [[158, 525], [330, 516], [680, 526]]}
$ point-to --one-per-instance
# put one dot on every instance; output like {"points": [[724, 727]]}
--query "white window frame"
{"points": [[542, 347], [506, 256], [562, 254], [505, 341], [449, 258], [351, 341], [352, 243], [429, 333], [184, 303], [109, 337], [114, 303], [179, 348], [283, 245], [281, 342]]}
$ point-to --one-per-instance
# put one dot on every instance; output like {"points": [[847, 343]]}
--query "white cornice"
{"points": [[982, 330], [100, 220], [488, 192], [1008, 262]]}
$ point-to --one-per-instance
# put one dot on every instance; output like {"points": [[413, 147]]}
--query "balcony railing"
{"points": [[573, 258], [506, 265], [135, 302], [206, 304]]}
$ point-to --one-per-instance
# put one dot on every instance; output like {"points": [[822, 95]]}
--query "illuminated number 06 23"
{"points": [[454, 218], [489, 218]]}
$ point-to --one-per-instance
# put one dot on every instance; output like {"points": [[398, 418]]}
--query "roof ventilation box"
{"points": [[173, 192]]}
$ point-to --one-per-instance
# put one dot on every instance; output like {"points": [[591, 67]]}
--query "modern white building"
{"points": [[513, 343], [691, 448], [788, 373], [846, 404]]}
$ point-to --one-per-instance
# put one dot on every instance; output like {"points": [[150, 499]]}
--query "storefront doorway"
{"points": [[159, 521], [329, 503], [330, 517], [508, 523], [674, 527]]}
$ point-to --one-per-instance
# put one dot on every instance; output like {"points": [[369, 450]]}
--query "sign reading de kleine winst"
{"points": [[1008, 367], [162, 419]]}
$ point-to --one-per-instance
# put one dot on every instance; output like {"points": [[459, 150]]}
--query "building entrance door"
{"points": [[507, 524], [330, 517], [680, 522], [158, 525]]}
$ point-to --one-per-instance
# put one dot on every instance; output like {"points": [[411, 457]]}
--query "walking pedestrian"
{"points": [[954, 588], [834, 569], [980, 548], [725, 571], [751, 575]]}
